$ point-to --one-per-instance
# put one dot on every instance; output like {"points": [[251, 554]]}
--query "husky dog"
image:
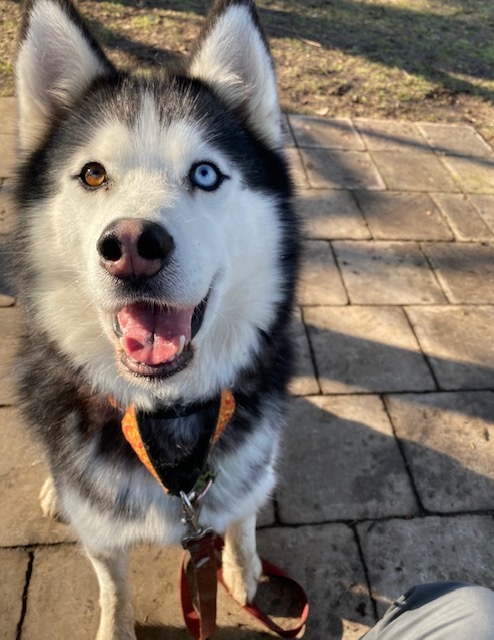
{"points": [[155, 261]]}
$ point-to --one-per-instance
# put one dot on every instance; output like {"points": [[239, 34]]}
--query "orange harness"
{"points": [[130, 428]]}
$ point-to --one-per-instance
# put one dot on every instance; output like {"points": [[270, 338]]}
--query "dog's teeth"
{"points": [[181, 345]]}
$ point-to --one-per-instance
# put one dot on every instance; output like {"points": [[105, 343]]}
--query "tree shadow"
{"points": [[145, 55], [447, 46], [350, 461], [420, 42]]}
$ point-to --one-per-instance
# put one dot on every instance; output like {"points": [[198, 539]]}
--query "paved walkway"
{"points": [[387, 478]]}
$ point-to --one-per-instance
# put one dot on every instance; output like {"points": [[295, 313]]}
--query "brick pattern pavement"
{"points": [[387, 476]]}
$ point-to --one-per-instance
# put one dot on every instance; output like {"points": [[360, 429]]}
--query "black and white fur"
{"points": [[235, 246]]}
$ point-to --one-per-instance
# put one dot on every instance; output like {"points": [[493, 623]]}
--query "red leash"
{"points": [[271, 570], [201, 618]]}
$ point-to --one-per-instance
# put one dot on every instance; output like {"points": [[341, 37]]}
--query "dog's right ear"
{"points": [[232, 56], [57, 61]]}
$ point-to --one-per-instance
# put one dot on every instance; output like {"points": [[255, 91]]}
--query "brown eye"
{"points": [[93, 174]]}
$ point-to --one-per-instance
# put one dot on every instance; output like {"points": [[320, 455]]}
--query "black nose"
{"points": [[134, 248]]}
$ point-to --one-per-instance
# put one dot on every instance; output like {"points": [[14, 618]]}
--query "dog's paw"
{"points": [[48, 499], [242, 581]]}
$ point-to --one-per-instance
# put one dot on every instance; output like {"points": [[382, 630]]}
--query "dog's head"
{"points": [[155, 219]]}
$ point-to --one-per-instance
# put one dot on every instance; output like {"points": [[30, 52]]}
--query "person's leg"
{"points": [[439, 611]]}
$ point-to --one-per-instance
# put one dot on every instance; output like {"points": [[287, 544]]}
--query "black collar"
{"points": [[181, 410]]}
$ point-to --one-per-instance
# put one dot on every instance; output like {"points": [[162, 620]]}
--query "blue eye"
{"points": [[206, 176]]}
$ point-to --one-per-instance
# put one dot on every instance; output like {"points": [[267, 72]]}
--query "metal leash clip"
{"points": [[191, 505]]}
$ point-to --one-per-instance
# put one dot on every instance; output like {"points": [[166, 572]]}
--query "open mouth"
{"points": [[155, 340]]}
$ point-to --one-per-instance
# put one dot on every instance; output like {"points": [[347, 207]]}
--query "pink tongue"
{"points": [[151, 334]]}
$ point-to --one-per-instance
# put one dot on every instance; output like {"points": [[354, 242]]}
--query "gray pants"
{"points": [[439, 611]]}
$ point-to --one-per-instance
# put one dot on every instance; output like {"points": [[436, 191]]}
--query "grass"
{"points": [[429, 60]]}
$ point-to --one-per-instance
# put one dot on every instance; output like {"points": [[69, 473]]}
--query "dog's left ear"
{"points": [[233, 56]]}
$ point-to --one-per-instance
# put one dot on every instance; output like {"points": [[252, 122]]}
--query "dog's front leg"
{"points": [[241, 565], [117, 617]]}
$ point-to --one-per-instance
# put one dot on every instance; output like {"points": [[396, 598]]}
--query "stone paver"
{"points": [[485, 206], [474, 175], [389, 135], [328, 215], [448, 436], [288, 138], [23, 472], [414, 171], [462, 217], [465, 270], [304, 382], [337, 133], [362, 349], [13, 569], [8, 155], [458, 344], [340, 169], [461, 140], [297, 169], [6, 292], [402, 216], [386, 273], [324, 476], [401, 553], [63, 596], [386, 469], [9, 323], [335, 581], [320, 280], [7, 115], [6, 211]]}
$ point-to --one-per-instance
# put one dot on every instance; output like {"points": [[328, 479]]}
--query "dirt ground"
{"points": [[429, 60]]}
